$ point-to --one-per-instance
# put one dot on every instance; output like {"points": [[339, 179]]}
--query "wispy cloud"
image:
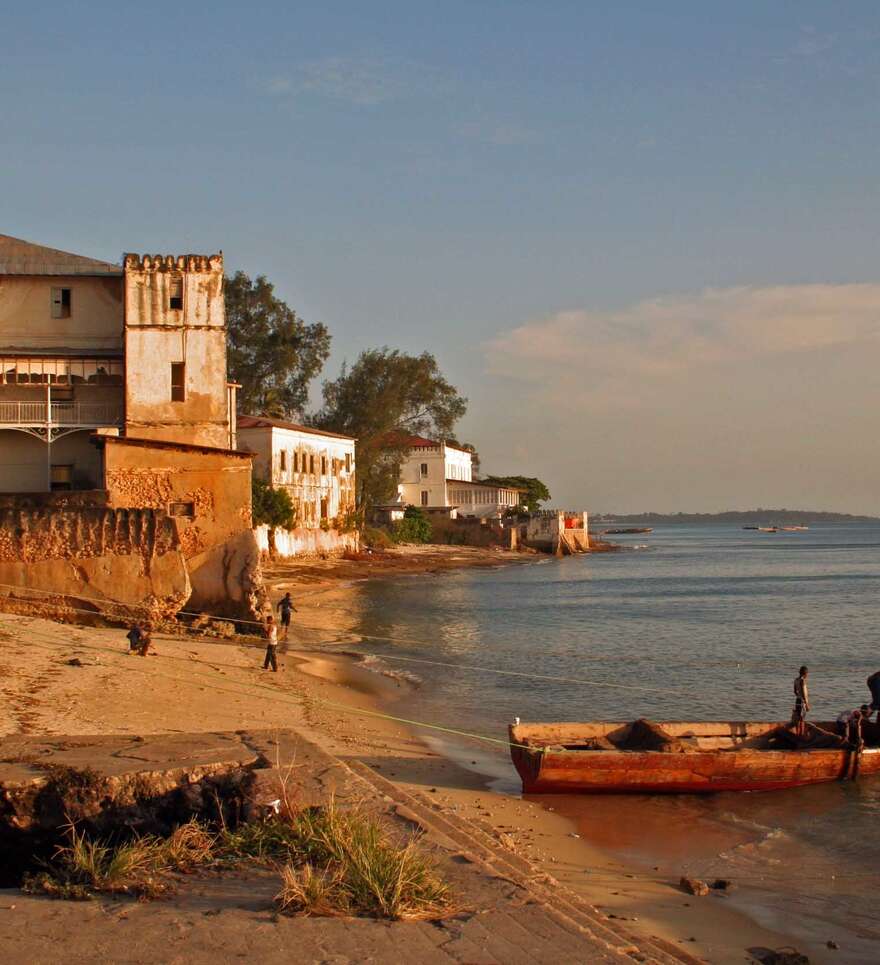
{"points": [[667, 338], [363, 81]]}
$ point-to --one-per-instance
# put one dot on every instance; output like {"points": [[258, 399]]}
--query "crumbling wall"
{"points": [[117, 562], [208, 494]]}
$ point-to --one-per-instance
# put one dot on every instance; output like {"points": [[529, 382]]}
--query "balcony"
{"points": [[81, 415]]}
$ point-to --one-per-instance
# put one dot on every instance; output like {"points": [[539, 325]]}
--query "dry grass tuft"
{"points": [[306, 891]]}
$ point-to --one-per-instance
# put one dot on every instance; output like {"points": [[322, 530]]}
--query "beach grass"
{"points": [[331, 861]]}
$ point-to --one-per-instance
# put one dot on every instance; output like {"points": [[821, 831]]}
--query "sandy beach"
{"points": [[67, 680]]}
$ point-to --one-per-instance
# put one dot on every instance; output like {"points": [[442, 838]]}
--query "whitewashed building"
{"points": [[438, 477], [317, 469]]}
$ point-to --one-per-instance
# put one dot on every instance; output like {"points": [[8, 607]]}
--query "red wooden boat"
{"points": [[682, 757]]}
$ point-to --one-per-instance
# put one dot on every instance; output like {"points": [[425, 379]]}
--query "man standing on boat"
{"points": [[873, 683], [801, 703]]}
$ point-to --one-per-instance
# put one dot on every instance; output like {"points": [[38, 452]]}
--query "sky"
{"points": [[641, 238]]}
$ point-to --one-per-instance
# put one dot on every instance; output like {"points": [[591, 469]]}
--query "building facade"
{"points": [[113, 390], [438, 477], [317, 470], [87, 345]]}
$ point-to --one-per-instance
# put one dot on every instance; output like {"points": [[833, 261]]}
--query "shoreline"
{"points": [[70, 680], [715, 927]]}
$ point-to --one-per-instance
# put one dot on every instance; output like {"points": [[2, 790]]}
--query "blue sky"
{"points": [[442, 175]]}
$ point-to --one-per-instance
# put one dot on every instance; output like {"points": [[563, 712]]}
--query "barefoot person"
{"points": [[285, 608], [801, 702], [271, 632]]}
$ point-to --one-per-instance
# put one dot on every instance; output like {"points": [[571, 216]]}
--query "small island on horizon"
{"points": [[760, 515]]}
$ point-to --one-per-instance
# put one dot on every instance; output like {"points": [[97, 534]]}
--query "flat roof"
{"points": [[266, 422], [19, 257], [485, 485]]}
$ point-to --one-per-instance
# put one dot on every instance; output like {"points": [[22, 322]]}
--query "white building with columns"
{"points": [[438, 477]]}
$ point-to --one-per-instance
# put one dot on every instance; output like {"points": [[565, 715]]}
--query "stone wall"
{"points": [[118, 562], [208, 493]]}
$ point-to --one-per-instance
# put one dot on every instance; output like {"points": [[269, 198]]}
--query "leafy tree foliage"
{"points": [[271, 507], [272, 352], [415, 527], [535, 491], [382, 399]]}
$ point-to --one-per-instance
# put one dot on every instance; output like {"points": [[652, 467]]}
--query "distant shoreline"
{"points": [[736, 516]]}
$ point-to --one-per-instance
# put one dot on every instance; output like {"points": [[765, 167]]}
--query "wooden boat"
{"points": [[596, 757]]}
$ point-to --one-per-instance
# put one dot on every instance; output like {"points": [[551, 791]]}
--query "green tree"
{"points": [[271, 507], [272, 352], [415, 527], [381, 400], [535, 491]]}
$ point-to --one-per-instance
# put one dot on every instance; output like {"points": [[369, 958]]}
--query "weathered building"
{"points": [[317, 470], [483, 499], [113, 386]]}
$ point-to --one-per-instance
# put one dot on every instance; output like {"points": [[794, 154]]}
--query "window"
{"points": [[425, 497], [182, 509], [312, 465], [61, 477], [423, 469], [283, 456], [348, 462], [178, 382], [323, 509], [175, 292], [323, 465], [295, 461], [60, 303]]}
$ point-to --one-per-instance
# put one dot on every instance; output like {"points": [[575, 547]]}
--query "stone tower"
{"points": [[175, 350]]}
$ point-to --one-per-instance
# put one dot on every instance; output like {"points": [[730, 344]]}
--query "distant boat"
{"points": [[768, 529], [794, 529], [750, 527], [684, 757], [628, 530]]}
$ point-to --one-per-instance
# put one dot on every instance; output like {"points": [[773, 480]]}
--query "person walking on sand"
{"points": [[285, 608], [271, 645], [801, 702]]}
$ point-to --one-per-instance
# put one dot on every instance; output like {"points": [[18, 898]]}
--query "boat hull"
{"points": [[560, 770]]}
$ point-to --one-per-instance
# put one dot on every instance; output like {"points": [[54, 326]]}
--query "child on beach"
{"points": [[271, 645]]}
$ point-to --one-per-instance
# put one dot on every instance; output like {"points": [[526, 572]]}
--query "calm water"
{"points": [[693, 622]]}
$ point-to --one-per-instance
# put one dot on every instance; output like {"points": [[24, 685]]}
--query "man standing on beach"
{"points": [[271, 645], [285, 608], [801, 702]]}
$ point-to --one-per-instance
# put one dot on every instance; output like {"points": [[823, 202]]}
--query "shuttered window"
{"points": [[178, 382]]}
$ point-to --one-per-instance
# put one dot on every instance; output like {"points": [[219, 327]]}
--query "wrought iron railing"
{"points": [[62, 414]]}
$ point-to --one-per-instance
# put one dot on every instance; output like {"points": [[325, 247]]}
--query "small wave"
{"points": [[377, 665]]}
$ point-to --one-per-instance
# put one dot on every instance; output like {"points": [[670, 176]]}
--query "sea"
{"points": [[690, 622]]}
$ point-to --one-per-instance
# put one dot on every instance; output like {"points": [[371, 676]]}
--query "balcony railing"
{"points": [[85, 414]]}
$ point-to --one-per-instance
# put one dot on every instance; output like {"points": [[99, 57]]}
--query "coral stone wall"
{"points": [[120, 562], [208, 494]]}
